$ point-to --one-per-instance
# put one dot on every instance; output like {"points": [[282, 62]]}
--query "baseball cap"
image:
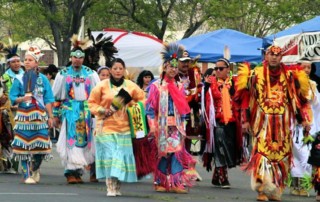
{"points": [[185, 56]]}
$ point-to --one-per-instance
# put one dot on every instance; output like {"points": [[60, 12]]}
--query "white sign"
{"points": [[298, 46]]}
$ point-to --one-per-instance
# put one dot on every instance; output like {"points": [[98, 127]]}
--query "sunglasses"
{"points": [[219, 68]]}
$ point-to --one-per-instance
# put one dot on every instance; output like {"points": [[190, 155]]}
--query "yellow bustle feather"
{"points": [[243, 76], [303, 81]]}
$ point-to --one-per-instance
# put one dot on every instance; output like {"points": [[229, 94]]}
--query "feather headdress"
{"points": [[105, 44], [101, 45], [77, 43], [11, 51], [172, 52]]}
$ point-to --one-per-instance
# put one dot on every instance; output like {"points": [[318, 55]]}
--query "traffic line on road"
{"points": [[17, 193]]}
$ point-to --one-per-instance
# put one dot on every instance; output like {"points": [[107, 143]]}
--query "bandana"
{"points": [[13, 58], [77, 54], [276, 50]]}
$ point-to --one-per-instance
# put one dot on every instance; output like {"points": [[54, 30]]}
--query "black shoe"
{"points": [[225, 184], [216, 183]]}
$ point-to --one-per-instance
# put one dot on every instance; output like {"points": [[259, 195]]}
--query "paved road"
{"points": [[53, 188]]}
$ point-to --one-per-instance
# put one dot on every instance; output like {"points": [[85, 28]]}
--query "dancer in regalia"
{"points": [[34, 97], [108, 102], [166, 109], [276, 95], [72, 87]]}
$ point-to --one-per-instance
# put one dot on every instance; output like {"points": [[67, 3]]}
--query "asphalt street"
{"points": [[53, 188]]}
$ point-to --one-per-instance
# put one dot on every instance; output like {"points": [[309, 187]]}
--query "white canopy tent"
{"points": [[137, 49]]}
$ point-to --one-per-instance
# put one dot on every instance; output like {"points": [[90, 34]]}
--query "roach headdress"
{"points": [[171, 53], [11, 52]]}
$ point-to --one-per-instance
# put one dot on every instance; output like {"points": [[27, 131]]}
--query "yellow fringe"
{"points": [[243, 76], [268, 84]]}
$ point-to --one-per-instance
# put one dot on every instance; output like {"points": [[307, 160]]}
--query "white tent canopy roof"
{"points": [[135, 48]]}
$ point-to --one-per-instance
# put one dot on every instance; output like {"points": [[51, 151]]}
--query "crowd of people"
{"points": [[101, 122]]}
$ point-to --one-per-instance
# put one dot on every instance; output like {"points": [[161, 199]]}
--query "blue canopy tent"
{"points": [[210, 46], [307, 26]]}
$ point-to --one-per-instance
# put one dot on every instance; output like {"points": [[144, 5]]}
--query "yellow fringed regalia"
{"points": [[273, 105]]}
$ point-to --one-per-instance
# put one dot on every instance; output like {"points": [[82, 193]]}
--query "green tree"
{"points": [[262, 17], [55, 21], [254, 17], [153, 16]]}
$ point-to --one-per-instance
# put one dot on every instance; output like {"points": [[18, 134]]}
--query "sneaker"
{"points": [[225, 185], [216, 183]]}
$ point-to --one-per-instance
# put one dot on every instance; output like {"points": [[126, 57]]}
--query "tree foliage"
{"points": [[155, 16], [254, 17], [262, 17], [56, 21]]}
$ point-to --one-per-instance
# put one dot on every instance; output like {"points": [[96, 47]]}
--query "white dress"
{"points": [[301, 151]]}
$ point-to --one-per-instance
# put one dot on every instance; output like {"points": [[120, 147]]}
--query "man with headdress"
{"points": [[7, 113], [190, 76], [273, 96], [71, 88]]}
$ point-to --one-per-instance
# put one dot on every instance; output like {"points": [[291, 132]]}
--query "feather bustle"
{"points": [[83, 44], [243, 76]]}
